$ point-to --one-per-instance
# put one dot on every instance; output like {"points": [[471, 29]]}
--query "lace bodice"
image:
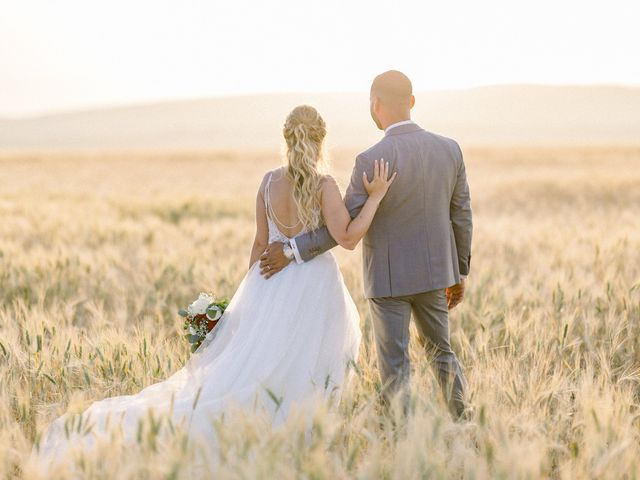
{"points": [[275, 235]]}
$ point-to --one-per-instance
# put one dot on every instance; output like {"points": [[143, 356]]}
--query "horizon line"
{"points": [[117, 105]]}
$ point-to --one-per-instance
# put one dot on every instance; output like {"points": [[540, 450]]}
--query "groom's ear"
{"points": [[374, 102], [412, 102]]}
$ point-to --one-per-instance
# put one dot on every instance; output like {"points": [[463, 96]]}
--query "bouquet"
{"points": [[201, 317]]}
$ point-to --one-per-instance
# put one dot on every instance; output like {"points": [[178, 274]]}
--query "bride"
{"points": [[281, 341]]}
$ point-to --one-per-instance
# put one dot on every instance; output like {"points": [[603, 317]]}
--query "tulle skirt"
{"points": [[282, 343]]}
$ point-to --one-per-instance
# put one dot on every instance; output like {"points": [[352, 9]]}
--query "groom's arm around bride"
{"points": [[409, 220]]}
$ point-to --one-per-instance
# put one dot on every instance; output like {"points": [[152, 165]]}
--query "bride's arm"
{"points": [[261, 240], [345, 230]]}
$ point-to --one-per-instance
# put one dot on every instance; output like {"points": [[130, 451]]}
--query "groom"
{"points": [[417, 251]]}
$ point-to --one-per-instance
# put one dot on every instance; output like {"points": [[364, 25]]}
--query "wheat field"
{"points": [[99, 250]]}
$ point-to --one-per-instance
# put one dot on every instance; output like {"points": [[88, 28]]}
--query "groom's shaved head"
{"points": [[393, 88], [391, 98]]}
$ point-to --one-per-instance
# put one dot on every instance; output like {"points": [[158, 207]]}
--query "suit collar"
{"points": [[406, 128], [397, 124]]}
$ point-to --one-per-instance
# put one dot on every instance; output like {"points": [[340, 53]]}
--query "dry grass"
{"points": [[97, 252]]}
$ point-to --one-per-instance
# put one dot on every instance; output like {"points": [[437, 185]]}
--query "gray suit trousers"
{"points": [[391, 316]]}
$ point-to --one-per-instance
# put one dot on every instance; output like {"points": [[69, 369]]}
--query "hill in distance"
{"points": [[494, 115]]}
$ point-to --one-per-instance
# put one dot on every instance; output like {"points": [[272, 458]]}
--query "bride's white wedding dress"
{"points": [[281, 342]]}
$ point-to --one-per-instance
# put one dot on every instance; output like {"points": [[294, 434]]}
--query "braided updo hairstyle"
{"points": [[304, 131]]}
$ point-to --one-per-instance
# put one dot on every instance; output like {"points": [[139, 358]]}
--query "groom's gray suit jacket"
{"points": [[420, 237]]}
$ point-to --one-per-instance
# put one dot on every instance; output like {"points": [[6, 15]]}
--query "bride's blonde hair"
{"points": [[304, 131]]}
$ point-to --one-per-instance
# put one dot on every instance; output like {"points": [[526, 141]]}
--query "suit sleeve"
{"points": [[356, 195], [460, 214], [311, 244], [316, 242]]}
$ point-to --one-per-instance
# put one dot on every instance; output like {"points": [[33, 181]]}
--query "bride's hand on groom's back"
{"points": [[381, 182]]}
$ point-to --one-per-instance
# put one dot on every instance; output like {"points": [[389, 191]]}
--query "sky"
{"points": [[78, 54]]}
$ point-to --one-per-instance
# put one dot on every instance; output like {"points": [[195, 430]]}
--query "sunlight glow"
{"points": [[75, 53]]}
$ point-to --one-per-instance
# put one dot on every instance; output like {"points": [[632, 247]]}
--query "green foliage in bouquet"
{"points": [[201, 317]]}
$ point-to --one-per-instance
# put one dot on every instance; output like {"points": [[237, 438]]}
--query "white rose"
{"points": [[199, 307]]}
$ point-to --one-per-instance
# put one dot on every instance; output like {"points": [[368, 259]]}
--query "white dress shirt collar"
{"points": [[397, 124]]}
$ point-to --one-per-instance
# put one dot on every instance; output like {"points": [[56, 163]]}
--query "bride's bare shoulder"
{"points": [[329, 181], [329, 186], [278, 172], [275, 175]]}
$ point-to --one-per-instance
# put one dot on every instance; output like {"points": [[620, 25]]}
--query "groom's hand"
{"points": [[455, 294], [273, 260]]}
